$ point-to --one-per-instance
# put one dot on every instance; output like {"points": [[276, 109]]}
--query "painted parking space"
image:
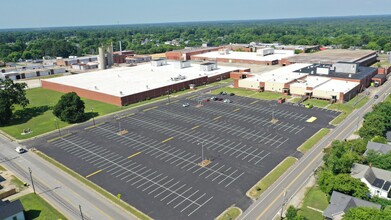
{"points": [[156, 164]]}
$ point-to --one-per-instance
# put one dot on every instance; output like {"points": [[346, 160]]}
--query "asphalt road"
{"points": [[61, 190], [269, 205]]}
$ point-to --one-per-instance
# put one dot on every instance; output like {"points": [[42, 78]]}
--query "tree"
{"points": [[70, 108], [378, 160], [379, 139], [11, 94], [363, 213], [341, 156], [291, 213]]}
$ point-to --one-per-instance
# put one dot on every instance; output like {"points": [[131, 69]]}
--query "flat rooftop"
{"points": [[361, 74], [281, 75], [332, 56], [126, 81], [194, 49], [310, 81], [335, 85], [278, 55]]}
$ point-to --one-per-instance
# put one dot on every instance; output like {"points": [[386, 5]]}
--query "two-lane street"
{"points": [[270, 203]]}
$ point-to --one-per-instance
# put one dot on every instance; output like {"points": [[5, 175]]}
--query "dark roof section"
{"points": [[159, 59], [378, 183], [370, 176], [208, 63], [386, 186], [361, 74], [340, 203], [8, 209]]}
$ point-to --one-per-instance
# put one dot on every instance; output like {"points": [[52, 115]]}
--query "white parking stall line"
{"points": [[256, 155], [234, 180], [299, 130], [154, 184], [118, 170], [185, 200], [262, 158], [206, 170], [225, 171], [228, 147], [177, 195], [159, 187], [250, 154], [147, 176], [168, 189], [140, 174], [241, 151], [218, 174]]}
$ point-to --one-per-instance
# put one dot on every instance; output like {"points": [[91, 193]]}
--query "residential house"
{"points": [[377, 180], [11, 210], [340, 203], [378, 147]]}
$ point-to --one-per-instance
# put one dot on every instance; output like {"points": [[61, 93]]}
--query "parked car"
{"points": [[376, 96], [219, 99], [223, 93], [227, 101], [213, 98], [20, 149], [231, 94], [185, 105], [309, 105], [205, 100]]}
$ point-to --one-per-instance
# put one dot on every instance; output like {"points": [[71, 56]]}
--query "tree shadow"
{"points": [[32, 214], [23, 115], [90, 115]]}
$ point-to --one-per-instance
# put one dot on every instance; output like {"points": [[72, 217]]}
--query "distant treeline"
{"points": [[372, 32]]}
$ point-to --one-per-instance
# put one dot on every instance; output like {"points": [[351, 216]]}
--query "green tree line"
{"points": [[373, 32]]}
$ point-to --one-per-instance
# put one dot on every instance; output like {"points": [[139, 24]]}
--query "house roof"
{"points": [[388, 136], [340, 202], [8, 209], [378, 147], [376, 177]]}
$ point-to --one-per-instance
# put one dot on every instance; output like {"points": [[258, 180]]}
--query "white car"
{"points": [[185, 105], [19, 150], [227, 101]]}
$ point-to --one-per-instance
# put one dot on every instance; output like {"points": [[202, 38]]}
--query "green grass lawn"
{"points": [[17, 183], [314, 198], [250, 93], [37, 208], [294, 100], [256, 191], [231, 213], [347, 108], [38, 115], [309, 143], [317, 102], [2, 168]]}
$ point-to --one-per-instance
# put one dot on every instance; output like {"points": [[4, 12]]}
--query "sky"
{"points": [[55, 13]]}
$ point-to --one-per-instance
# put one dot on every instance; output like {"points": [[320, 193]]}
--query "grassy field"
{"points": [[256, 191], [316, 199], [309, 143], [250, 93], [294, 100], [231, 213], [317, 103], [38, 115], [347, 108], [17, 183], [37, 208], [95, 187], [2, 168]]}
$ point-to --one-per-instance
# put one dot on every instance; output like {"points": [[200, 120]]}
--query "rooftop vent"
{"points": [[121, 93]]}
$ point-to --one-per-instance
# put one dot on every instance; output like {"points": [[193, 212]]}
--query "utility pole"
{"points": [[58, 127], [282, 205], [81, 213], [32, 182]]}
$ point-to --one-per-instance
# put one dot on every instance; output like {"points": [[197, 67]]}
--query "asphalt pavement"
{"points": [[58, 188], [270, 204]]}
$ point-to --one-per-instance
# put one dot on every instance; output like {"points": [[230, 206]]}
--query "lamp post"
{"points": [[93, 118], [58, 126], [168, 96]]}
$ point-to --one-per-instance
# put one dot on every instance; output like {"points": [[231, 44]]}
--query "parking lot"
{"points": [[152, 156]]}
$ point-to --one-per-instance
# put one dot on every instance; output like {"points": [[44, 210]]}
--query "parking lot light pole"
{"points": [[58, 126], [93, 118], [168, 96]]}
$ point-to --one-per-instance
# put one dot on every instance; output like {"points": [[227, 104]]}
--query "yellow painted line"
{"points": [[236, 110], [195, 127], [145, 110], [94, 173], [254, 102], [133, 155], [191, 96], [167, 139], [217, 118], [312, 119]]}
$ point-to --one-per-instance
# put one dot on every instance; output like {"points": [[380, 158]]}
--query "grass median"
{"points": [[231, 213], [256, 191], [95, 187], [37, 208], [250, 93], [309, 143]]}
